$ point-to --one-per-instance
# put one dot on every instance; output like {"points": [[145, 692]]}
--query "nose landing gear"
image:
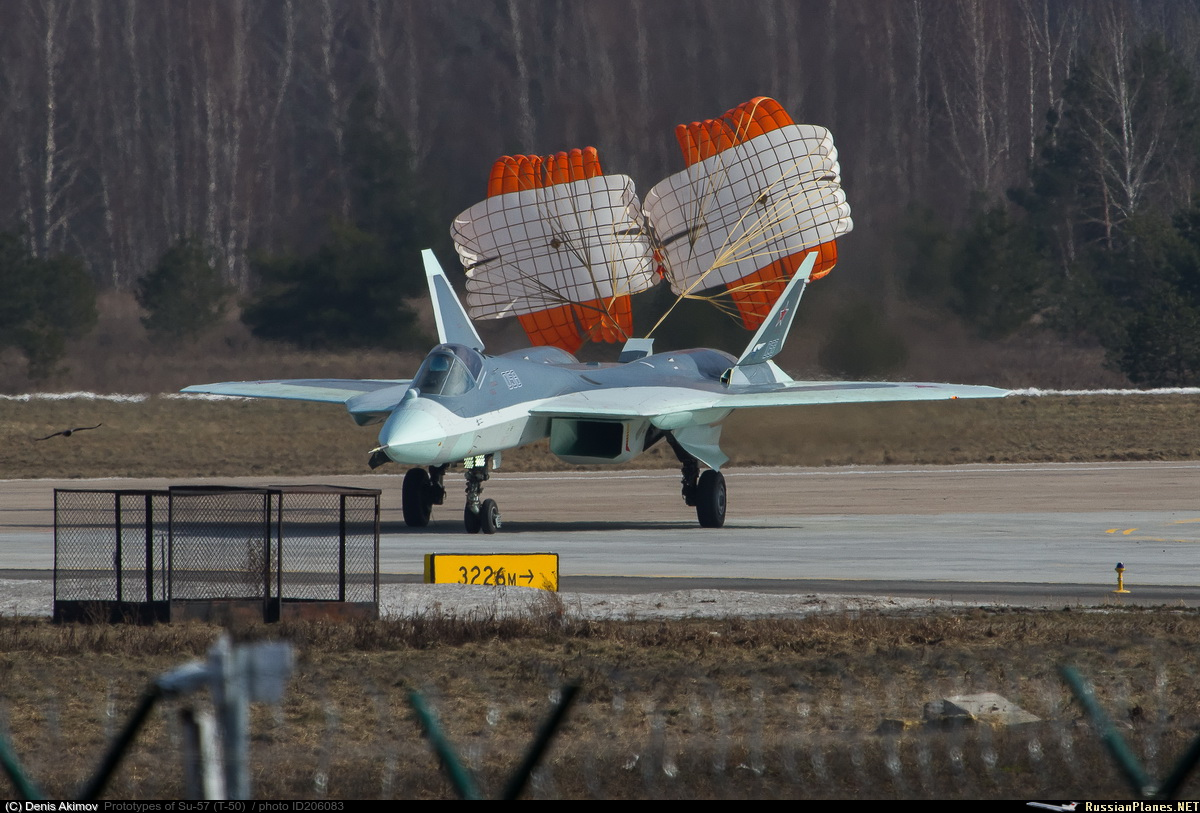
{"points": [[479, 516], [422, 490]]}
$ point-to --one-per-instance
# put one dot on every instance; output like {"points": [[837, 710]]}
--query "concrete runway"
{"points": [[1024, 534]]}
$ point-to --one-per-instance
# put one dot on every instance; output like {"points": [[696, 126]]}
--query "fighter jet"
{"points": [[467, 407]]}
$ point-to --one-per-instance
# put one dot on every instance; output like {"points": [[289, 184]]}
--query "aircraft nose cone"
{"points": [[411, 436]]}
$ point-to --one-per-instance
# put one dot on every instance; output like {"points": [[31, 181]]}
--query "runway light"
{"points": [[1120, 568]]}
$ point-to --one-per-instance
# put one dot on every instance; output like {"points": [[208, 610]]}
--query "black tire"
{"points": [[471, 519], [489, 517], [710, 499], [416, 497]]}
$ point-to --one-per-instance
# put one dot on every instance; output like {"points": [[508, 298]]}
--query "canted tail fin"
{"points": [[769, 338], [453, 324]]}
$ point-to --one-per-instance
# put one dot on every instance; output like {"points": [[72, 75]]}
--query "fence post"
{"points": [[203, 773]]}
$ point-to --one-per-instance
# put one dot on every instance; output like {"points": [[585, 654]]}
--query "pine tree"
{"points": [[184, 295], [45, 302]]}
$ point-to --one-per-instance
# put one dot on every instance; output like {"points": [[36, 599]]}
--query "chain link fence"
{"points": [[190, 551]]}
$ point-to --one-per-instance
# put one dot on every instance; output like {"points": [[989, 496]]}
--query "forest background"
{"points": [[205, 190]]}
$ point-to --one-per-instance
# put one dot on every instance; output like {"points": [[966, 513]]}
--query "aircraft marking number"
{"points": [[511, 379]]}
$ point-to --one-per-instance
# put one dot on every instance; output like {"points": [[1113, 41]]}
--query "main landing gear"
{"points": [[422, 490], [704, 491], [420, 493]]}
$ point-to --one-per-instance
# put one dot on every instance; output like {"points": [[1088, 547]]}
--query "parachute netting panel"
{"points": [[558, 244], [760, 192]]}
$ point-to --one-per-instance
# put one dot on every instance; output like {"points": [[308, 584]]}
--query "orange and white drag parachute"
{"points": [[562, 246], [558, 244], [760, 192]]}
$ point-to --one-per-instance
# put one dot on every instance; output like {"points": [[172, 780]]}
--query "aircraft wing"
{"points": [[694, 415], [368, 401], [667, 406]]}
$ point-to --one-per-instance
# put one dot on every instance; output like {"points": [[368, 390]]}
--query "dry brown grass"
{"points": [[777, 708]]}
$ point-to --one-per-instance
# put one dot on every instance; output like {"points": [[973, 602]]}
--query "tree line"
{"points": [[1007, 161]]}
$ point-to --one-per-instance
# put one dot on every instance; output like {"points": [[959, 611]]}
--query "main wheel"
{"points": [[417, 498], [472, 519], [489, 517], [710, 499]]}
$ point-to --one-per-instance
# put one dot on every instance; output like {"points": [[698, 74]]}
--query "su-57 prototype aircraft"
{"points": [[466, 406], [562, 247]]}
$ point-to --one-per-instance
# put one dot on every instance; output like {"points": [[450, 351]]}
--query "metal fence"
{"points": [[761, 730], [192, 551]]}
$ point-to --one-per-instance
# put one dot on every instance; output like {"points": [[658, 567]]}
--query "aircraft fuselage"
{"points": [[447, 420]]}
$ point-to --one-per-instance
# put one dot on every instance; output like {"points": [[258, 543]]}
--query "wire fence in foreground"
{"points": [[748, 723]]}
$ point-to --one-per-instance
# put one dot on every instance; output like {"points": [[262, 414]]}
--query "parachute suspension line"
{"points": [[746, 246], [720, 301], [699, 142]]}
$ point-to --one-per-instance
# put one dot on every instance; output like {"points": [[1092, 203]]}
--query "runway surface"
{"points": [[1025, 534]]}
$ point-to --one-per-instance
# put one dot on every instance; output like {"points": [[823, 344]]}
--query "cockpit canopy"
{"points": [[449, 370]]}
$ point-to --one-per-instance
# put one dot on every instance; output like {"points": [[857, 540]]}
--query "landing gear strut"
{"points": [[479, 515], [706, 492], [421, 491]]}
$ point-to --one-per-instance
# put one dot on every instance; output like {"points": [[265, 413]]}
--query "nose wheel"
{"points": [[479, 515], [487, 519]]}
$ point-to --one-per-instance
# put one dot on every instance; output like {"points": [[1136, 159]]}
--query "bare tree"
{"points": [[50, 165], [1050, 47], [974, 77]]}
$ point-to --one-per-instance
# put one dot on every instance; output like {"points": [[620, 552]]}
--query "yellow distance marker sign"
{"points": [[539, 570]]}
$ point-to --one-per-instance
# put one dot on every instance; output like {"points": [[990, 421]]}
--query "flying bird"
{"points": [[66, 433]]}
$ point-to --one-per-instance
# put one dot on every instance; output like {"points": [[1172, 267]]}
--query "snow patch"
{"points": [[1037, 391], [123, 398], [36, 598]]}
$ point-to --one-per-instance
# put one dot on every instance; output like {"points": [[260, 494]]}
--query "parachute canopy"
{"points": [[758, 194], [562, 246], [558, 244]]}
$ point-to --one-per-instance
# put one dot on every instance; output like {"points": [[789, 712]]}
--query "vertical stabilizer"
{"points": [[453, 324], [768, 341]]}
